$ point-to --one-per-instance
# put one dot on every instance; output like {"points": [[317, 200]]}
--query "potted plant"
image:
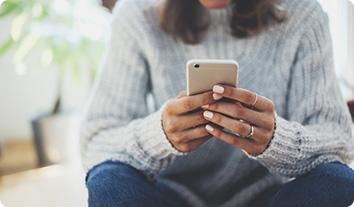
{"points": [[70, 37]]}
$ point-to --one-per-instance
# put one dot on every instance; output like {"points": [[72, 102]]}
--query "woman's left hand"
{"points": [[249, 117]]}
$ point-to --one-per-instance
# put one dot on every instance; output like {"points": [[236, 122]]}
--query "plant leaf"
{"points": [[8, 7], [8, 44]]}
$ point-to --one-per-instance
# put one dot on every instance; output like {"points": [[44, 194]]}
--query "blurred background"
{"points": [[50, 51]]}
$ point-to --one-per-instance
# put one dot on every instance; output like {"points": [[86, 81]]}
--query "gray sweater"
{"points": [[290, 63]]}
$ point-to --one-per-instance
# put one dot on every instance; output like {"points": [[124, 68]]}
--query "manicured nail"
{"points": [[218, 89], [208, 114], [209, 128], [216, 96], [205, 106]]}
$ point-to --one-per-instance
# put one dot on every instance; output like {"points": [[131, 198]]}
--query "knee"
{"points": [[336, 183], [329, 185], [106, 173], [109, 170], [336, 179], [105, 181]]}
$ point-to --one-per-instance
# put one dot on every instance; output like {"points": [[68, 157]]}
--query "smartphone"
{"points": [[203, 74]]}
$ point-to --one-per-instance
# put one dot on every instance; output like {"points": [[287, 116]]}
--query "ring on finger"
{"points": [[255, 100], [251, 133]]}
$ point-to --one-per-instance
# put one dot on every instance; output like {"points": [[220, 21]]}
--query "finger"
{"points": [[190, 103], [192, 145], [234, 125], [220, 134], [244, 96], [238, 111], [262, 136], [191, 120], [192, 134], [197, 142], [241, 128], [246, 144], [183, 122]]}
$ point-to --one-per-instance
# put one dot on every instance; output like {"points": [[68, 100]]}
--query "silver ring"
{"points": [[255, 101], [250, 134]]}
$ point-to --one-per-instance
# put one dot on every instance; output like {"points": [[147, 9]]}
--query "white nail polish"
{"points": [[218, 89], [217, 97], [208, 114], [209, 128]]}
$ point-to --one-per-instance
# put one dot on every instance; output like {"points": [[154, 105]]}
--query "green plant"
{"points": [[57, 30]]}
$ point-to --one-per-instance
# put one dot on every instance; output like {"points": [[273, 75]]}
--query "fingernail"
{"points": [[205, 106], [208, 114], [209, 128], [217, 96], [218, 89]]}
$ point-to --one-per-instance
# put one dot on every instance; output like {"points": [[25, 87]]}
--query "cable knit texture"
{"points": [[291, 63]]}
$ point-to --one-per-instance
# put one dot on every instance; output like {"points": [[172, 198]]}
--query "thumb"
{"points": [[182, 94]]}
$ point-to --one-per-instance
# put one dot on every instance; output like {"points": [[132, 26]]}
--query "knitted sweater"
{"points": [[290, 63]]}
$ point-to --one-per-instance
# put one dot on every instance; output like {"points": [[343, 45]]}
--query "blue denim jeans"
{"points": [[116, 184]]}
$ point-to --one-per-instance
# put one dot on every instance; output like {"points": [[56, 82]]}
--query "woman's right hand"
{"points": [[183, 121]]}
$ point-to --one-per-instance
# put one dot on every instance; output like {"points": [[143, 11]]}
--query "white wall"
{"points": [[341, 14], [22, 97], [350, 73]]}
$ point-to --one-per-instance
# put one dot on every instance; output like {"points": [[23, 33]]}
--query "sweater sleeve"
{"points": [[117, 125], [317, 126]]}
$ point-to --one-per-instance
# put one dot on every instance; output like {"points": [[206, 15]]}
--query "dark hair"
{"points": [[188, 19]]}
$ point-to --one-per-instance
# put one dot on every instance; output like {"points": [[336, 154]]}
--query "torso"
{"points": [[265, 68]]}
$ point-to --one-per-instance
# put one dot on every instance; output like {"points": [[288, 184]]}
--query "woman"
{"points": [[296, 124]]}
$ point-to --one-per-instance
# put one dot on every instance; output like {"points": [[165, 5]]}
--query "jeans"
{"points": [[117, 184]]}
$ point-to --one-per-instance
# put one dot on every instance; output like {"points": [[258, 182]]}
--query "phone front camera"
{"points": [[196, 65]]}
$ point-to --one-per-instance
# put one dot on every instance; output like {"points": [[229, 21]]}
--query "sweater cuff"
{"points": [[153, 140], [285, 146]]}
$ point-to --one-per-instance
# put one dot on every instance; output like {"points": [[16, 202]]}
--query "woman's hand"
{"points": [[183, 121], [249, 117]]}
